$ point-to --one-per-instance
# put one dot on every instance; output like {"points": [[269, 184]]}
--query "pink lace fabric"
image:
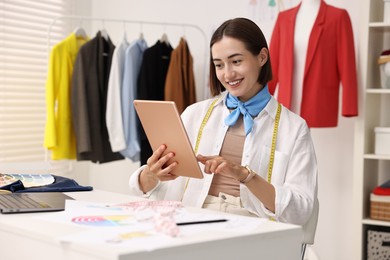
{"points": [[161, 213]]}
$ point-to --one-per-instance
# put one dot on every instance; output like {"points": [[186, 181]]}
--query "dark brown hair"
{"points": [[250, 34]]}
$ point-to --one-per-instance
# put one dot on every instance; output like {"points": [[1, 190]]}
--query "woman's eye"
{"points": [[236, 62], [218, 66]]}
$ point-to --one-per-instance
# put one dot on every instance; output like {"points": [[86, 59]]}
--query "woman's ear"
{"points": [[263, 56]]}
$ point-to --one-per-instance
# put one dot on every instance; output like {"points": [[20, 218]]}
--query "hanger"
{"points": [[124, 32], [80, 32], [164, 39], [184, 34], [141, 34], [104, 32]]}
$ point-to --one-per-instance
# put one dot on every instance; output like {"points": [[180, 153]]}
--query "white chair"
{"points": [[309, 229]]}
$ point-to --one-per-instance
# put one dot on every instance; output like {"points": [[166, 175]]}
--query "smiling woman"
{"points": [[256, 156]]}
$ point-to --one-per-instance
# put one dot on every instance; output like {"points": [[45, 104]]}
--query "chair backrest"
{"points": [[309, 229]]}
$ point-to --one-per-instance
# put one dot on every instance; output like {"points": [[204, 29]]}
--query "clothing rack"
{"points": [[90, 18]]}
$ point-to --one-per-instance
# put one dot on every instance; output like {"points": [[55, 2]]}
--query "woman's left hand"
{"points": [[219, 165]]}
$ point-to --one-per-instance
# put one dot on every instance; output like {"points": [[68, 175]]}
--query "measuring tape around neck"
{"points": [[204, 121], [273, 145], [200, 132]]}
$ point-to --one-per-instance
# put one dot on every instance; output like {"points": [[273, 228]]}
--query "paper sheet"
{"points": [[129, 225]]}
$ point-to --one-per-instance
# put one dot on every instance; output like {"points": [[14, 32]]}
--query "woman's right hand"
{"points": [[158, 167]]}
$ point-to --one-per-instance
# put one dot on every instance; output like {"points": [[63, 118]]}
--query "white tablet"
{"points": [[162, 125]]}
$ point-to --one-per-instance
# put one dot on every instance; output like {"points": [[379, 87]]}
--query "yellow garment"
{"points": [[59, 134]]}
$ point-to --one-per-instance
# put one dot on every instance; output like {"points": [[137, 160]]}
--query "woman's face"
{"points": [[236, 68]]}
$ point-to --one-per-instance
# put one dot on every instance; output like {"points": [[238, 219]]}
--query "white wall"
{"points": [[334, 146]]}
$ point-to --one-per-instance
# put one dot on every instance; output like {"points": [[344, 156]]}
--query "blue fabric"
{"points": [[133, 62], [60, 184], [386, 184], [248, 109]]}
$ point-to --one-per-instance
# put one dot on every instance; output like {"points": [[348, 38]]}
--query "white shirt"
{"points": [[114, 120], [294, 173]]}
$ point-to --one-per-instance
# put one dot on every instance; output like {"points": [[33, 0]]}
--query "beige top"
{"points": [[231, 150]]}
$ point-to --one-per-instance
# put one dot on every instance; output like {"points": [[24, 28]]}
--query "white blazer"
{"points": [[295, 166]]}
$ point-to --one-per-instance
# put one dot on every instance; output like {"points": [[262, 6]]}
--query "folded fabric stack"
{"points": [[380, 202]]}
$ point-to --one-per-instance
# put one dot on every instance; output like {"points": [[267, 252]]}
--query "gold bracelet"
{"points": [[251, 174]]}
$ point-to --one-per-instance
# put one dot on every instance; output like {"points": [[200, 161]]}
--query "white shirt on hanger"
{"points": [[114, 120]]}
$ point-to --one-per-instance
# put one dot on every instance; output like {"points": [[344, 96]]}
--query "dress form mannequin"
{"points": [[305, 19], [330, 29]]}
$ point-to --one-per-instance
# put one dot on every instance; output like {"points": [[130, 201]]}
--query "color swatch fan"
{"points": [[28, 180]]}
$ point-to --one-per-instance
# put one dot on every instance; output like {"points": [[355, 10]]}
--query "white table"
{"points": [[26, 236]]}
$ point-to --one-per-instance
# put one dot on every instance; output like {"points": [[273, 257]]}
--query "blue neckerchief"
{"points": [[249, 109]]}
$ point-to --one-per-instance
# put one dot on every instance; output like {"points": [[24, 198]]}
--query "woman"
{"points": [[258, 157]]}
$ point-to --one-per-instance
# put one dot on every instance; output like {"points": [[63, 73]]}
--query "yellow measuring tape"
{"points": [[273, 145], [200, 132], [205, 119]]}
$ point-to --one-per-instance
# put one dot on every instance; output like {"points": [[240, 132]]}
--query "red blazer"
{"points": [[330, 60]]}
